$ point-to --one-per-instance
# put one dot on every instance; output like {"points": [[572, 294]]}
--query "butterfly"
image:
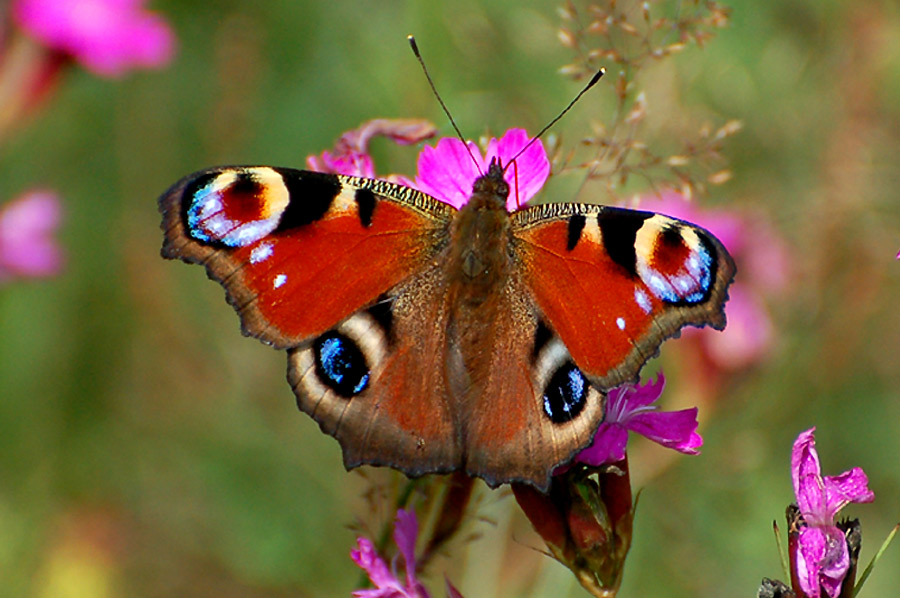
{"points": [[432, 338]]}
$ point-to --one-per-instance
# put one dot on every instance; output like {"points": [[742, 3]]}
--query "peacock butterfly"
{"points": [[432, 338]]}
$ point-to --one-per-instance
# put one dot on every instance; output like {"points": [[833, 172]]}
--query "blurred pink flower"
{"points": [[820, 558], [448, 172], [108, 37], [763, 265], [27, 247], [629, 408]]}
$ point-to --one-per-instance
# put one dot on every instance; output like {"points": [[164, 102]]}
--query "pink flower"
{"points": [[629, 408], [447, 171], [763, 270], [351, 152], [821, 559], [27, 247], [108, 37], [385, 580]]}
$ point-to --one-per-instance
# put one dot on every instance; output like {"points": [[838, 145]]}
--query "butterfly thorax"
{"points": [[480, 236]]}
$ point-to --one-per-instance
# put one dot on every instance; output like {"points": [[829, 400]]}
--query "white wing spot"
{"points": [[620, 322], [280, 280], [643, 300], [260, 253]]}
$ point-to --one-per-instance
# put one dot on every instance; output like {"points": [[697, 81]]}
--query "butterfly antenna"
{"points": [[415, 49], [590, 84]]}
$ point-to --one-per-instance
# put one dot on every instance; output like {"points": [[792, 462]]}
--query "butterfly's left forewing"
{"points": [[299, 251], [615, 283]]}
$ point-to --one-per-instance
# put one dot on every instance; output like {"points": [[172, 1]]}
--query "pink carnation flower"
{"points": [[630, 408], [821, 558], [27, 225], [447, 171], [108, 37]]}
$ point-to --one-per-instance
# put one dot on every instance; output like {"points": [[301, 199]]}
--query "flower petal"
{"points": [[404, 131], [349, 162], [672, 429], [106, 36], [153, 42], [608, 446], [850, 486], [368, 559], [806, 474], [27, 247], [452, 592], [835, 564], [629, 398], [822, 560], [379, 593], [448, 172], [406, 529], [629, 409], [811, 545], [529, 172]]}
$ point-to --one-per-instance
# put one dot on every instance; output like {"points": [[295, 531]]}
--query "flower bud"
{"points": [[586, 520]]}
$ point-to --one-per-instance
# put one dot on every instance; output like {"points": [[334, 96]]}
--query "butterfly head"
{"points": [[492, 185]]}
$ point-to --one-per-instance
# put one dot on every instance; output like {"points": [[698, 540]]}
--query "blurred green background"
{"points": [[148, 449]]}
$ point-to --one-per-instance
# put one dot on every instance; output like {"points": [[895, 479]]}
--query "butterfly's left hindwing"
{"points": [[299, 251], [615, 283]]}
